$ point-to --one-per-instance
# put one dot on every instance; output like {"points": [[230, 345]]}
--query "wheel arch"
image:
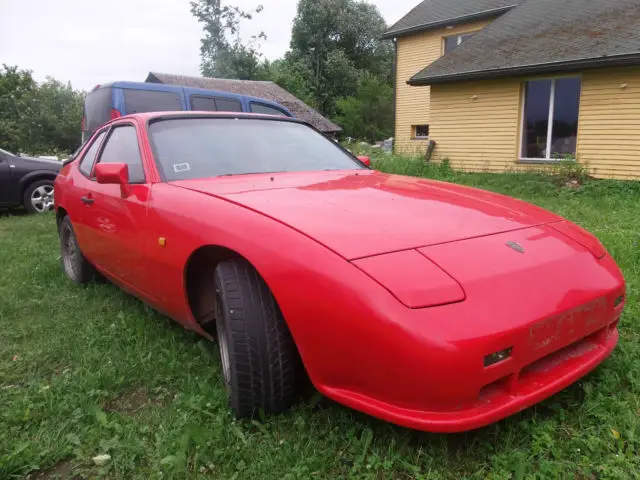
{"points": [[200, 288], [198, 280], [36, 176], [60, 214]]}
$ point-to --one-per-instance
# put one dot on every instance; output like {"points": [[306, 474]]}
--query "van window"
{"points": [[214, 104], [206, 104], [266, 109], [228, 105], [139, 101], [97, 110]]}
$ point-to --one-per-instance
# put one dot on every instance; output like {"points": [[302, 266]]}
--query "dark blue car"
{"points": [[109, 101]]}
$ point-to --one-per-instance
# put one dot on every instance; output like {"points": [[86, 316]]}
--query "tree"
{"points": [[17, 96], [59, 116], [338, 41], [368, 115], [336, 61], [291, 75], [38, 118], [223, 53]]}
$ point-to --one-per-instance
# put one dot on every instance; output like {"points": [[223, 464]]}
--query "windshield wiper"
{"points": [[249, 173]]}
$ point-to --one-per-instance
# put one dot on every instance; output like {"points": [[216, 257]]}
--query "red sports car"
{"points": [[430, 305]]}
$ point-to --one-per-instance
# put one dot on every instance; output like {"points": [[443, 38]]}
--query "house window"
{"points": [[550, 124], [421, 131], [450, 43]]}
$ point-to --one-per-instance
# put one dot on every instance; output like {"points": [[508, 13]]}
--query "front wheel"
{"points": [[257, 352], [77, 268], [38, 197]]}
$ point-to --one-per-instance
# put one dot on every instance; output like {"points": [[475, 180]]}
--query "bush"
{"points": [[368, 115], [39, 119]]}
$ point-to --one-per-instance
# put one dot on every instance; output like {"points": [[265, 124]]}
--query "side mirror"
{"points": [[112, 173], [364, 159]]}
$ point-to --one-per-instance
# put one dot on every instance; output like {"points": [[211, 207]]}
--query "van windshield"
{"points": [[186, 148]]}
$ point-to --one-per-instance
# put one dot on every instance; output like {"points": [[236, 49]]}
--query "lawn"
{"points": [[87, 371]]}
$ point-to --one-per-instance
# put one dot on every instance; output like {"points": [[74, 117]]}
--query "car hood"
{"points": [[363, 213], [40, 163]]}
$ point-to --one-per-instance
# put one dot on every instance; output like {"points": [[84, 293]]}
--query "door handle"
{"points": [[87, 200]]}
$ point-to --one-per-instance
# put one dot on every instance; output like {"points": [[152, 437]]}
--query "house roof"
{"points": [[432, 14], [544, 36], [261, 89]]}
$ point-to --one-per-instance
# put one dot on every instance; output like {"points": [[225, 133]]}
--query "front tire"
{"points": [[257, 352], [38, 197], [77, 268]]}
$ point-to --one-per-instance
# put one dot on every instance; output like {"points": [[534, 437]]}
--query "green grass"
{"points": [[90, 370]]}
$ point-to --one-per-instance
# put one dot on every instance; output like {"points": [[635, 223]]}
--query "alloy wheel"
{"points": [[42, 198]]}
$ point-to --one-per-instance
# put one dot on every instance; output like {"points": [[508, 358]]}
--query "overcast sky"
{"points": [[89, 42]]}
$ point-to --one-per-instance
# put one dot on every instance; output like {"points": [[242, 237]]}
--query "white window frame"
{"points": [[458, 38], [415, 131], [552, 106]]}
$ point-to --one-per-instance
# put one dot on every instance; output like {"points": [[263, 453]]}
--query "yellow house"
{"points": [[502, 84]]}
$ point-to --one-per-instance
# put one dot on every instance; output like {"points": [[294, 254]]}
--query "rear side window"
{"points": [[122, 147], [206, 104], [228, 105], [86, 164], [266, 109], [97, 109], [140, 101], [215, 104]]}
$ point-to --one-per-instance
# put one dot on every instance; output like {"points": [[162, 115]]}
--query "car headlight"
{"points": [[412, 278]]}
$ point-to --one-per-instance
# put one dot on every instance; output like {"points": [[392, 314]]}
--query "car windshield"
{"points": [[187, 148]]}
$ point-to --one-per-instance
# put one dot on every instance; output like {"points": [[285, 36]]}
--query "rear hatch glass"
{"points": [[97, 111]]}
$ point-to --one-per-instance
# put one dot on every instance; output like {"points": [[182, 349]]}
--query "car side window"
{"points": [[86, 164], [122, 147]]}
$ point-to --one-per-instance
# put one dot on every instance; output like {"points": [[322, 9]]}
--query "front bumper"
{"points": [[510, 394], [554, 308]]}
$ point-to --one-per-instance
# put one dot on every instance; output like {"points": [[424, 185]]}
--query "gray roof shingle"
{"points": [[438, 13], [545, 36], [261, 89]]}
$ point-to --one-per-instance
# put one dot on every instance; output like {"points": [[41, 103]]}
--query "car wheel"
{"points": [[77, 268], [257, 352], [38, 197]]}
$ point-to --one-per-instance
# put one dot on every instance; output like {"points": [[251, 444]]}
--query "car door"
{"points": [[116, 216], [78, 190], [6, 188]]}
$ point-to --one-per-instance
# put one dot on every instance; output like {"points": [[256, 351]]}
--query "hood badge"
{"points": [[516, 246]]}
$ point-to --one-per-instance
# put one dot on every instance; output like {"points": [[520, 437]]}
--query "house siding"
{"points": [[609, 127], [477, 125], [415, 52]]}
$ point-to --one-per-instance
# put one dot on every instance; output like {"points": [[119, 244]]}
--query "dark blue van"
{"points": [[113, 100]]}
